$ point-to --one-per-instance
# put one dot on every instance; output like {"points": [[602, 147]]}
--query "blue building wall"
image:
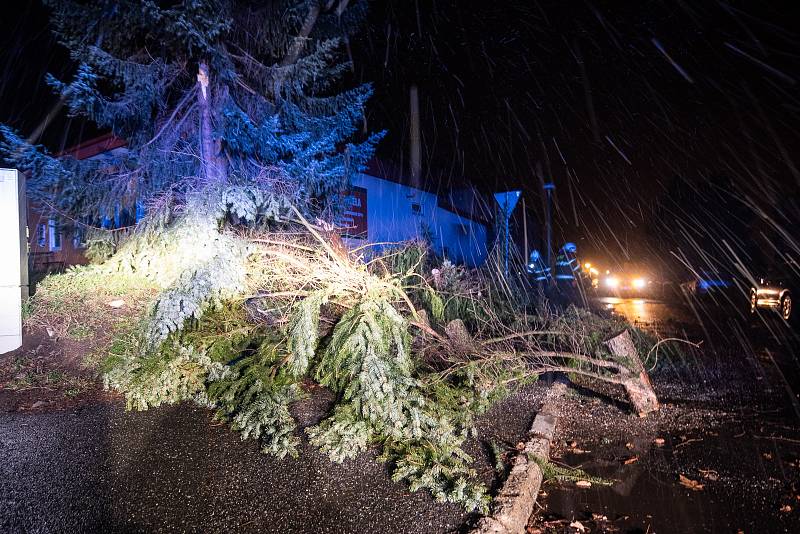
{"points": [[398, 213], [395, 213]]}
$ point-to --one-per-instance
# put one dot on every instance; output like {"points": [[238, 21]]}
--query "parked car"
{"points": [[773, 291]]}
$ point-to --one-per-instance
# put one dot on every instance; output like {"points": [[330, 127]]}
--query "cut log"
{"points": [[513, 506], [637, 384]]}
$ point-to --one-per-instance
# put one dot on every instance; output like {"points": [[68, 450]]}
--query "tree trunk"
{"points": [[637, 384], [514, 504], [214, 169]]}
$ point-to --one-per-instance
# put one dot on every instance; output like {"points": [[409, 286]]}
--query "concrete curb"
{"points": [[513, 506]]}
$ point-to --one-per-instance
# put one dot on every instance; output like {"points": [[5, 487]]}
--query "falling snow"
{"points": [[670, 130]]}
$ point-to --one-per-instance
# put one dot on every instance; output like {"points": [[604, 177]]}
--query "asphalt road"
{"points": [[99, 469], [723, 325], [730, 422], [645, 311]]}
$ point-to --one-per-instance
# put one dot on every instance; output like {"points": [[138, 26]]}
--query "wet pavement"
{"points": [[729, 424], [739, 477], [99, 469], [723, 326], [645, 311]]}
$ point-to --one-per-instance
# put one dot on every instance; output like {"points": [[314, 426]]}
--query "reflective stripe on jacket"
{"points": [[566, 266]]}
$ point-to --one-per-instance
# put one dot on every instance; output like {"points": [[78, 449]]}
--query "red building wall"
{"points": [[54, 241]]}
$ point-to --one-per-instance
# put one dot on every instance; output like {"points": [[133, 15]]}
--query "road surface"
{"points": [[721, 327], [740, 453], [645, 311]]}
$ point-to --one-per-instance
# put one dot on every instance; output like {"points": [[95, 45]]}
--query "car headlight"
{"points": [[612, 282], [639, 283]]}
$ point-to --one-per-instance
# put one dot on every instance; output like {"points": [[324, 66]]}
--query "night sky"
{"points": [[617, 102], [638, 111]]}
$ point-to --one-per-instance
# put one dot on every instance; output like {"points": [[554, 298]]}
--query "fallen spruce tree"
{"points": [[237, 123], [412, 348]]}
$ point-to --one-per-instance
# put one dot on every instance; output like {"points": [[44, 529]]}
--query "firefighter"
{"points": [[568, 274], [538, 270], [567, 265]]}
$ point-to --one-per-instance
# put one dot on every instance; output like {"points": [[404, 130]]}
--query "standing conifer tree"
{"points": [[205, 93], [233, 111]]}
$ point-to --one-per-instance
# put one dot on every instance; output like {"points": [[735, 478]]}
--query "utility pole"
{"points": [[525, 229], [414, 134], [548, 188]]}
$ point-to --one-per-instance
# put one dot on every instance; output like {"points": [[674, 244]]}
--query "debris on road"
{"points": [[689, 483]]}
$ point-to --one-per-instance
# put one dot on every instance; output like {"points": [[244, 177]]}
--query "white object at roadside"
{"points": [[117, 303], [13, 258]]}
